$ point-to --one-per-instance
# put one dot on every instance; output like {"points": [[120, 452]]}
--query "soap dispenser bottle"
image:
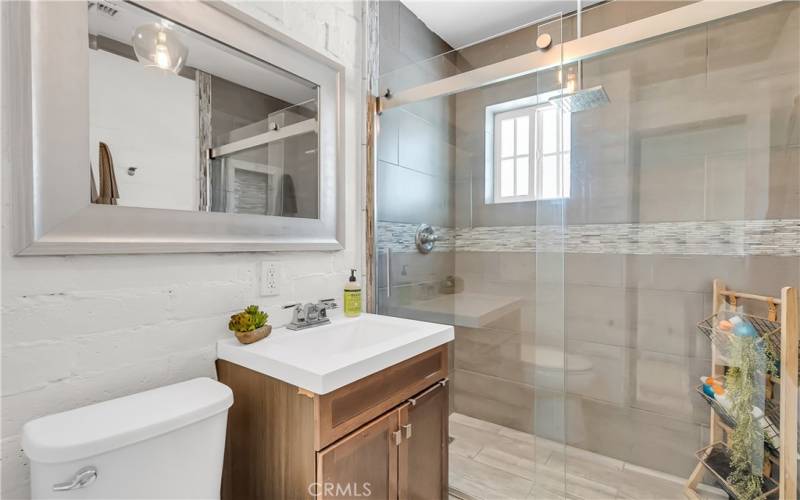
{"points": [[352, 296]]}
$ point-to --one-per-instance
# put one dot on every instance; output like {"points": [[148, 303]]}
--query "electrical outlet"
{"points": [[270, 275]]}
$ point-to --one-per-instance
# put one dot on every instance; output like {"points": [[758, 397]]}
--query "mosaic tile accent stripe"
{"points": [[400, 237], [780, 237]]}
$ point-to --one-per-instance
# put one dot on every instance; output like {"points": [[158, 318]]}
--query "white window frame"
{"points": [[495, 115], [498, 158]]}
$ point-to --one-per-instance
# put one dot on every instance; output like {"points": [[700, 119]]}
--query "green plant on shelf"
{"points": [[773, 360], [744, 381], [252, 318]]}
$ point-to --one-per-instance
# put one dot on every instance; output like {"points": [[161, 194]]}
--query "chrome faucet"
{"points": [[310, 314]]}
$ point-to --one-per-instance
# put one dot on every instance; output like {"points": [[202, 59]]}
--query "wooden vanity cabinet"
{"points": [[422, 455], [381, 437]]}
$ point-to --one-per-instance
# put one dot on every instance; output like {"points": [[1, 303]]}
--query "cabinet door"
{"points": [[361, 465], [422, 461]]}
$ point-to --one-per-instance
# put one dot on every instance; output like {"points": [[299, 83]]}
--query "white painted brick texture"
{"points": [[78, 330]]}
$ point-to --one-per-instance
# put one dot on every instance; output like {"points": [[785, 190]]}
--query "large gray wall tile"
{"points": [[593, 269], [665, 321], [599, 314], [411, 196]]}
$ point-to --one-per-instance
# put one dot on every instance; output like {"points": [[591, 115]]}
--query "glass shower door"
{"points": [[469, 217], [691, 160]]}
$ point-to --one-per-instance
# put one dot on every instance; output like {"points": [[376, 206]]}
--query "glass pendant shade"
{"points": [[156, 46]]}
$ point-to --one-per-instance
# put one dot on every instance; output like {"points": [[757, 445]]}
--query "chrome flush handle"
{"points": [[83, 478]]}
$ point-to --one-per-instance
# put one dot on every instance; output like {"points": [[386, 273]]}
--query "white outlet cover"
{"points": [[270, 279]]}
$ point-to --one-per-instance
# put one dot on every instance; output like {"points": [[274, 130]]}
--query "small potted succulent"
{"points": [[250, 325]]}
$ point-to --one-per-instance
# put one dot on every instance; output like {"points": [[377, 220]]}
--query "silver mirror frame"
{"points": [[46, 134]]}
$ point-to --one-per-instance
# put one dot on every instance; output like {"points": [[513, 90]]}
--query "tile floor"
{"points": [[492, 462]]}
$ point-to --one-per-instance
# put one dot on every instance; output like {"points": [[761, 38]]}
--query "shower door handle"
{"points": [[388, 272]]}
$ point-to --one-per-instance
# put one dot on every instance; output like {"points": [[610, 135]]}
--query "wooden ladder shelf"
{"points": [[783, 309]]}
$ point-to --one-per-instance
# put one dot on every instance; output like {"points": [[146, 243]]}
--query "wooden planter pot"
{"points": [[254, 335]]}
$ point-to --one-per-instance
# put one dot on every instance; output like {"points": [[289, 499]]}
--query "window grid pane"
{"points": [[507, 178], [507, 138], [523, 136], [523, 170]]}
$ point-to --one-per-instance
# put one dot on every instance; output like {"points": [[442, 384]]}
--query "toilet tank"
{"points": [[164, 443]]}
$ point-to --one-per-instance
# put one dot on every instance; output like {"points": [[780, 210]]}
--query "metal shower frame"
{"points": [[572, 51]]}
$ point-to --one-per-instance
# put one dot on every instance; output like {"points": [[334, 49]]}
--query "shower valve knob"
{"points": [[426, 238]]}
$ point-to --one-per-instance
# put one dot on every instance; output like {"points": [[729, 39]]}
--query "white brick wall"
{"points": [[78, 330]]}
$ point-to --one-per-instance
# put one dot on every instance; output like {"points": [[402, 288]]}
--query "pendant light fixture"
{"points": [[157, 46]]}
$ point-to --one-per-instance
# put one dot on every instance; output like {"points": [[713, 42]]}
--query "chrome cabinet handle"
{"points": [[407, 428], [437, 385], [83, 478]]}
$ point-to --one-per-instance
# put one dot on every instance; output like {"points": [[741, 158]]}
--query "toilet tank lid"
{"points": [[102, 427]]}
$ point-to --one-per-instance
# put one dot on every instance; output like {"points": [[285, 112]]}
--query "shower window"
{"points": [[531, 154]]}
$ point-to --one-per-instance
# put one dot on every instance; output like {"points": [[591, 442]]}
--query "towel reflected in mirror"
{"points": [[289, 196], [108, 182]]}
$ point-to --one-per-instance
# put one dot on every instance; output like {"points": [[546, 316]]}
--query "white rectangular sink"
{"points": [[324, 358]]}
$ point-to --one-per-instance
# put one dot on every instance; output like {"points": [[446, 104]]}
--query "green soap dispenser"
{"points": [[352, 296]]}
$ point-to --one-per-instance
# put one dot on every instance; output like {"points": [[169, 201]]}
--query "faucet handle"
{"points": [[297, 313], [329, 303]]}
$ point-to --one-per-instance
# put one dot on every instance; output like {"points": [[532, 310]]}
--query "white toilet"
{"points": [[559, 403], [164, 443]]}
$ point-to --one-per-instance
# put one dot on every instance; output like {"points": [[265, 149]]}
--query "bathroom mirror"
{"points": [[179, 121], [173, 127]]}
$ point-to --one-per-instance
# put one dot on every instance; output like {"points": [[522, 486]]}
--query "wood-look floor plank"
{"points": [[486, 482], [470, 436], [464, 447], [477, 423], [558, 480], [506, 460], [639, 484], [510, 462]]}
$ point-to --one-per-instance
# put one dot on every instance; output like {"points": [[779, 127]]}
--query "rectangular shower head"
{"points": [[581, 100]]}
